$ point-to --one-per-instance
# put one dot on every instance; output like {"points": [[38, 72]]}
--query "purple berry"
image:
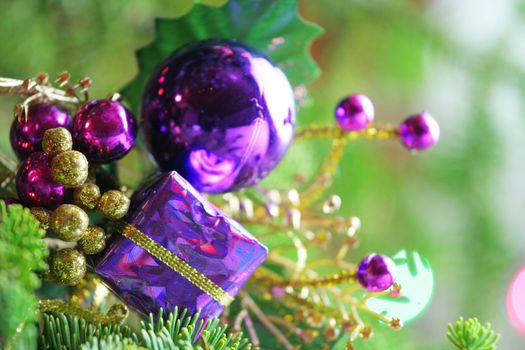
{"points": [[35, 184], [354, 112], [376, 273], [104, 131], [27, 132], [419, 131]]}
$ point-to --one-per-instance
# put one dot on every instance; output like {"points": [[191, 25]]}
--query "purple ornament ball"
{"points": [[104, 131], [376, 273], [27, 133], [354, 112], [35, 184], [419, 131], [219, 113]]}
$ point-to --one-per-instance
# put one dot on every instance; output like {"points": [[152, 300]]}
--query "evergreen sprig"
{"points": [[471, 335], [22, 253], [177, 331]]}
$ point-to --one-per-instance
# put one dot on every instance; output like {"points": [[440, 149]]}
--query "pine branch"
{"points": [[178, 331], [22, 252], [471, 335]]}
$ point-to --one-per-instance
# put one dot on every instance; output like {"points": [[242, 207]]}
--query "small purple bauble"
{"points": [[376, 273], [419, 131], [35, 184], [27, 132], [104, 131], [354, 112], [219, 113]]}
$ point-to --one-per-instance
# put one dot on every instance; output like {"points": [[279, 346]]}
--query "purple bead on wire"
{"points": [[354, 112], [376, 273], [419, 131]]}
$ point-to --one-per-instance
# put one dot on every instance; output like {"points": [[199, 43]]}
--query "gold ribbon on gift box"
{"points": [[175, 263]]}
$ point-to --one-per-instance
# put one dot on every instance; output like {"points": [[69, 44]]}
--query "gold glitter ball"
{"points": [[42, 215], [87, 195], [69, 222], [70, 168], [57, 140], [113, 204], [68, 266], [93, 241]]}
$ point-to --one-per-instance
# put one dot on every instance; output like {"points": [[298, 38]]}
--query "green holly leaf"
{"points": [[271, 26]]}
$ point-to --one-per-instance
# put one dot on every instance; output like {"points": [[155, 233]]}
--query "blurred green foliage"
{"points": [[22, 253], [460, 205]]}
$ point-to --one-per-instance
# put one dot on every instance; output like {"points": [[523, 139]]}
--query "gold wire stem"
{"points": [[253, 307], [373, 132], [373, 313], [324, 177], [335, 279], [116, 314]]}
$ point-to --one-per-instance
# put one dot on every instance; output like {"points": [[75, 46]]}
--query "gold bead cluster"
{"points": [[70, 222]]}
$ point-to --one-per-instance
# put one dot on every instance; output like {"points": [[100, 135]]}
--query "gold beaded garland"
{"points": [[69, 222], [42, 215], [87, 195], [93, 241], [113, 204], [68, 266], [57, 140], [70, 168]]}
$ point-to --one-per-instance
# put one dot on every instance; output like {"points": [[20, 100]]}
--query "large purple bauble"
{"points": [[35, 184], [220, 114], [104, 131], [27, 133]]}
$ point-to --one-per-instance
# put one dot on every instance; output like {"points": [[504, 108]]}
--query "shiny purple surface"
{"points": [[171, 212], [104, 131], [35, 184], [354, 112], [419, 131], [218, 113], [27, 133], [376, 273]]}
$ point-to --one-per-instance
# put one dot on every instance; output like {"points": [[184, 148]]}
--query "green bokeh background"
{"points": [[461, 204]]}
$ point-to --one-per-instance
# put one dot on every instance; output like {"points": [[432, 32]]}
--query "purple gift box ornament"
{"points": [[178, 249]]}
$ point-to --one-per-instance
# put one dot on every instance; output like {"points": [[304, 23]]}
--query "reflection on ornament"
{"points": [[415, 276], [516, 301]]}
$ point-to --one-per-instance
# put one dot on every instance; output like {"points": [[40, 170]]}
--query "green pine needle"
{"points": [[22, 253], [471, 335], [177, 331]]}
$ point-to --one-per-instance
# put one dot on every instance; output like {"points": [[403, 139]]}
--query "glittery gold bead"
{"points": [[57, 140], [331, 333], [366, 332], [316, 320], [68, 266], [93, 240], [70, 168], [42, 215], [87, 195], [69, 222], [113, 204]]}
